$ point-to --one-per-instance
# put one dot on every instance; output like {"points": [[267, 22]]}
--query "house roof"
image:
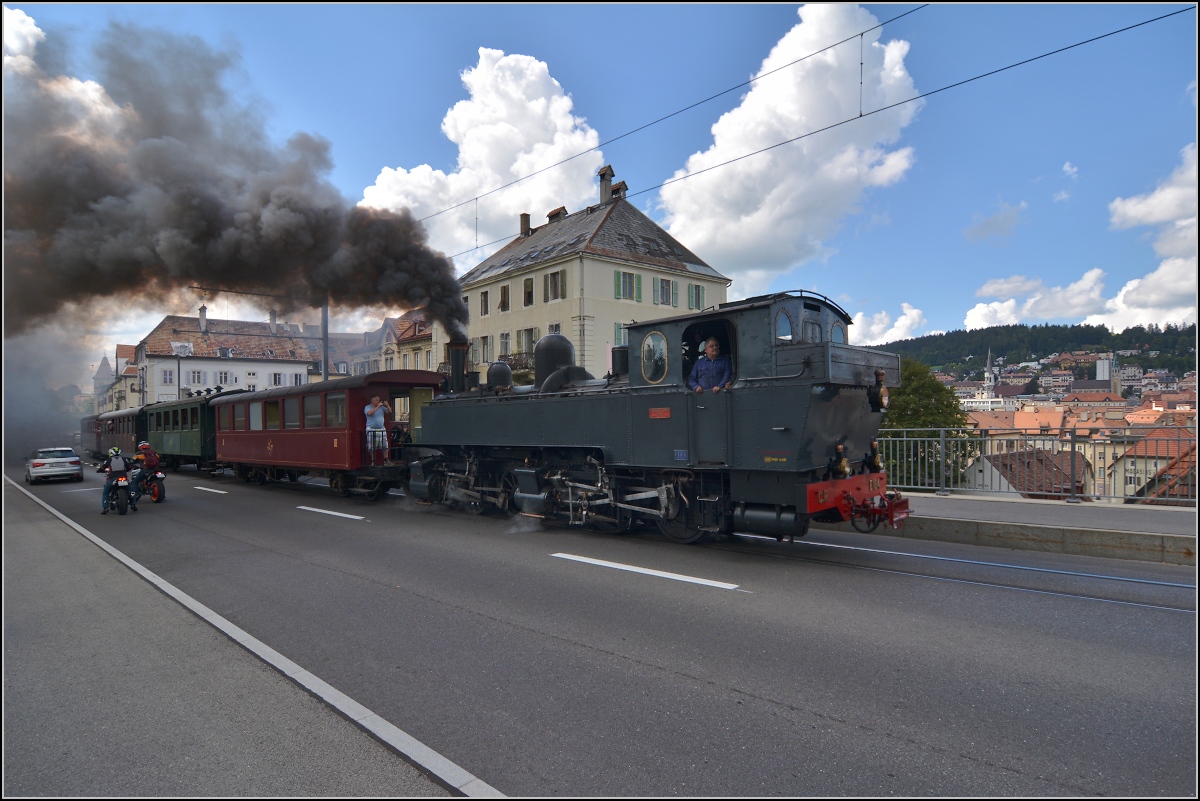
{"points": [[1094, 397], [1040, 419], [616, 229], [1163, 443], [244, 340], [992, 421], [1175, 481], [1039, 472]]}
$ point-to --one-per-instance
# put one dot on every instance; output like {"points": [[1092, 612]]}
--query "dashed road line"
{"points": [[209, 489], [327, 512], [648, 572]]}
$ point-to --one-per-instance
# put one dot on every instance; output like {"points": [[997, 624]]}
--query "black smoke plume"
{"points": [[157, 178]]}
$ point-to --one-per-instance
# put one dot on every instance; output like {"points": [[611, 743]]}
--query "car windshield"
{"points": [[56, 453]]}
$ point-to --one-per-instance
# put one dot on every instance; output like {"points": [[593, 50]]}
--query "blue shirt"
{"points": [[708, 373], [375, 421]]}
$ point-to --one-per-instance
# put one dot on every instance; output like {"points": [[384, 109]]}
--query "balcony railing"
{"points": [[1129, 465]]}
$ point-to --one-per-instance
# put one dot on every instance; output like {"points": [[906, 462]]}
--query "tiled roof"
{"points": [[1175, 483], [1163, 443], [987, 421], [1039, 473], [241, 339], [1094, 397], [615, 229]]}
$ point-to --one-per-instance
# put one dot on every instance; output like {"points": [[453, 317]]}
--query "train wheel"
{"points": [[508, 493], [680, 530], [158, 491], [378, 491]]}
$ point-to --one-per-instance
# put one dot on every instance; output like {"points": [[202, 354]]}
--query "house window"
{"points": [[554, 328], [405, 357], [277, 379], [252, 375], [168, 376], [483, 304], [526, 339], [223, 377], [695, 296], [504, 344], [429, 359], [196, 377], [555, 285], [528, 288], [486, 342], [666, 291], [389, 362], [297, 379], [627, 286], [503, 298]]}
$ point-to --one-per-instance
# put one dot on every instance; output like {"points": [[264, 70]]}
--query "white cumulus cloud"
{"points": [[516, 121], [880, 328], [1168, 293], [1070, 170], [986, 315], [775, 210], [1008, 287], [1061, 196]]}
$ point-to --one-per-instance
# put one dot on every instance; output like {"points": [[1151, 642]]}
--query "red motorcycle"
{"points": [[151, 484]]}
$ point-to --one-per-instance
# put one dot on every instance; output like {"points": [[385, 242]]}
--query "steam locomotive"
{"points": [[790, 443]]}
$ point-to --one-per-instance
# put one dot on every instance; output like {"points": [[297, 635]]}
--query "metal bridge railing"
{"points": [[1128, 465]]}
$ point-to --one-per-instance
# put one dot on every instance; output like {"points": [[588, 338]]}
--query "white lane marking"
{"points": [[85, 489], [208, 489], [647, 571], [394, 738], [327, 512]]}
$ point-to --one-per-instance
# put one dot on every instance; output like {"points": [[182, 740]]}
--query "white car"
{"points": [[46, 463]]}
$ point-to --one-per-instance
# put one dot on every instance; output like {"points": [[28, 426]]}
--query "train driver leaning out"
{"points": [[712, 370], [376, 412]]}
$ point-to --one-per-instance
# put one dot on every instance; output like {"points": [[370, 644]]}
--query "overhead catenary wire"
{"points": [[863, 115]]}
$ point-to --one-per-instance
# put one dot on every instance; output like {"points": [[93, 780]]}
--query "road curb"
{"points": [[1173, 549]]}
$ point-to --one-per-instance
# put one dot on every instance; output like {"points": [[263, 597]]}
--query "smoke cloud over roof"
{"points": [[153, 178]]}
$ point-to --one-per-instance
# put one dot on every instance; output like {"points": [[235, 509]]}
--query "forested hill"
{"points": [[1022, 343]]}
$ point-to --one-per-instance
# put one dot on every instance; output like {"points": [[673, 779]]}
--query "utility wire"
{"points": [[911, 99], [869, 113], [668, 116]]}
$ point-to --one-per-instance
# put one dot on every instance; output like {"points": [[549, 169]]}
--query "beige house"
{"points": [[586, 276]]}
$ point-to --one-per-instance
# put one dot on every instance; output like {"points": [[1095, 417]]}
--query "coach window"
{"points": [[312, 411], [174, 419], [226, 414], [256, 416], [239, 417], [335, 410], [195, 418], [291, 412], [271, 414]]}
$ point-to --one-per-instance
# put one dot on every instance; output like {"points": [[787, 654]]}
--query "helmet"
{"points": [[114, 451], [143, 446]]}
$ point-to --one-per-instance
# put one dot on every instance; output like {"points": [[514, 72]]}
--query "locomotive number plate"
{"points": [[681, 456], [660, 412]]}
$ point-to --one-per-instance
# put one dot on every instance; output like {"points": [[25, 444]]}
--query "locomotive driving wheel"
{"points": [[508, 493], [680, 529]]}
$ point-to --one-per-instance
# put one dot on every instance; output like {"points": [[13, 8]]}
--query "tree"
{"points": [[921, 401], [1032, 387]]}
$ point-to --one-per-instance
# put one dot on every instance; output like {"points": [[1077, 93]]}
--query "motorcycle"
{"points": [[152, 485], [119, 497]]}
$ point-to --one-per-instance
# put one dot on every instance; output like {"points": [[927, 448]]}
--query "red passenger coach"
{"points": [[320, 429]]}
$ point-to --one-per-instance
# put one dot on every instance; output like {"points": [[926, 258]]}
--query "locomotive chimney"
{"points": [[458, 365], [203, 319], [606, 175], [525, 224]]}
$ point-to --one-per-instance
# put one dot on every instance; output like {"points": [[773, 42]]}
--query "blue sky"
{"points": [[1060, 191]]}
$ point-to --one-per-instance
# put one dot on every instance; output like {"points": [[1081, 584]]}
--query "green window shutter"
{"points": [[562, 283], [701, 305], [546, 288], [657, 292], [637, 291], [616, 333], [617, 283], [674, 293]]}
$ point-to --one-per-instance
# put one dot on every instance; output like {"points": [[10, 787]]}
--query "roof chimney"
{"points": [[606, 175], [557, 214], [525, 224], [203, 319], [274, 327], [618, 191]]}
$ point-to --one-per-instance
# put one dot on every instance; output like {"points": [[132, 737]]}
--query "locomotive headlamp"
{"points": [[841, 465], [878, 394], [875, 463]]}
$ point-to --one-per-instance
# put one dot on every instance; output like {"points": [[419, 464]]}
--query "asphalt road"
{"points": [[839, 666]]}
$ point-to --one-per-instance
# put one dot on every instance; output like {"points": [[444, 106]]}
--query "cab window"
{"points": [[783, 328]]}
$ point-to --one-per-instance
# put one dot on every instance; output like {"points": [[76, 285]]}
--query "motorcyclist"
{"points": [[145, 461], [116, 466]]}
